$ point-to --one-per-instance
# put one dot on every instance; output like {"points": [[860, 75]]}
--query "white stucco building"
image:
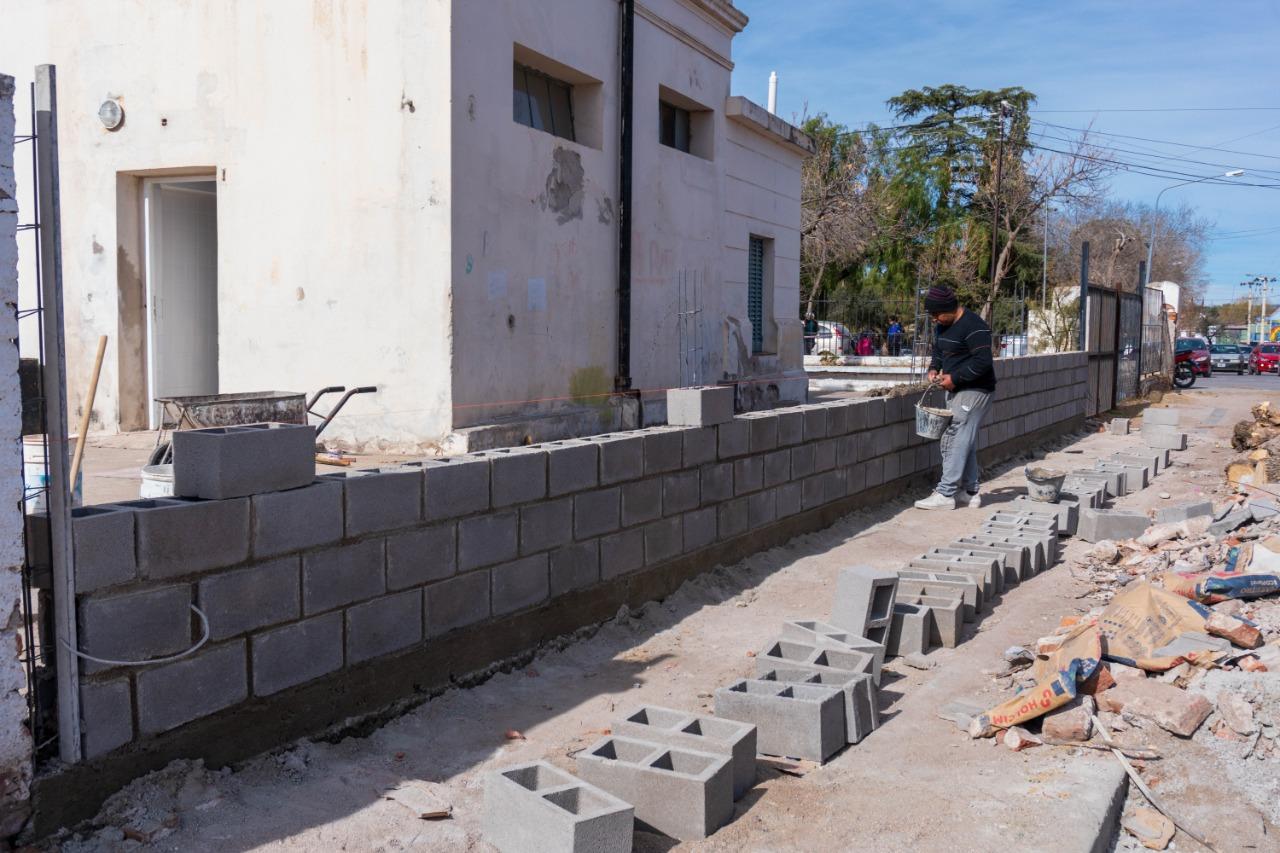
{"points": [[422, 195]]}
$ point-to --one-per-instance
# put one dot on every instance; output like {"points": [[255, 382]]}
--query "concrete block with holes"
{"points": [[863, 602], [1085, 493], [820, 657], [454, 486], [191, 688], [176, 536], [235, 461], [1139, 456], [1065, 512], [861, 714], [621, 456], [1027, 552], [1164, 438], [946, 616], [1134, 477], [793, 720], [1114, 524], [681, 793], [573, 465], [516, 475], [909, 633], [815, 633], [696, 732], [1010, 561], [103, 541], [537, 808], [299, 518], [379, 499], [706, 405], [987, 571], [914, 582], [1110, 483]]}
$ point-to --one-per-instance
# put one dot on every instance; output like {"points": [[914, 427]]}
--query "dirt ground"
{"points": [[917, 783]]}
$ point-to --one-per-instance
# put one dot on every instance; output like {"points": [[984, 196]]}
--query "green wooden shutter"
{"points": [[755, 293]]}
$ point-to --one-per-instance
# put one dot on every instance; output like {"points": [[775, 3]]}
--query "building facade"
{"points": [[421, 195]]}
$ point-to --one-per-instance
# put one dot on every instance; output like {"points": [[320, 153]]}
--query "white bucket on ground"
{"points": [[1044, 484], [35, 474], [157, 481]]}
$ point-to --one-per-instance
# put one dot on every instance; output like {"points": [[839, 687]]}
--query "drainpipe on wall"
{"points": [[626, 59]]}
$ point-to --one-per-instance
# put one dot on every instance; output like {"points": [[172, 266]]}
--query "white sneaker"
{"points": [[975, 500], [936, 501]]}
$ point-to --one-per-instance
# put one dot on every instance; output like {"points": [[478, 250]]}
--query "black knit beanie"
{"points": [[940, 300]]}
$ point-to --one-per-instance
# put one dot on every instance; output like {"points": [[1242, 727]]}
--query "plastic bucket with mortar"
{"points": [[931, 422], [1044, 484]]}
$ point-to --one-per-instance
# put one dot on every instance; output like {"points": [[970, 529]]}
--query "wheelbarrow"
{"points": [[255, 407]]}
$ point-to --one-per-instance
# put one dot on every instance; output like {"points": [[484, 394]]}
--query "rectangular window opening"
{"points": [[675, 127], [755, 293], [542, 102]]}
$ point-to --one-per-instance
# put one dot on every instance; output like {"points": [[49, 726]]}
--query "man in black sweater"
{"points": [[962, 365]]}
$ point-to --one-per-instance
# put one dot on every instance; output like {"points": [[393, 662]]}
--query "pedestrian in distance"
{"points": [[810, 332], [895, 336], [963, 366]]}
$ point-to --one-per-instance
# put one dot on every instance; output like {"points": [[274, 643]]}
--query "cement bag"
{"points": [[1252, 571], [1057, 681], [1143, 618]]}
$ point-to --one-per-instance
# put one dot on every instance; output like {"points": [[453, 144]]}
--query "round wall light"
{"points": [[111, 114]]}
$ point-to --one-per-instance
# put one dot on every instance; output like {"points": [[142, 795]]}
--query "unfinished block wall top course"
{"points": [[488, 553]]}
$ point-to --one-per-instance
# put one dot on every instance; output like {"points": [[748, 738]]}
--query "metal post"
{"points": [[55, 391], [626, 71], [995, 208], [1084, 296], [1142, 327]]}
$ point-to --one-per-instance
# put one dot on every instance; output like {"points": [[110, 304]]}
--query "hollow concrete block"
{"points": [[1033, 559], [135, 626], [516, 475], [816, 632], [106, 716], [194, 687], [696, 732], [680, 793], [1164, 438], [1066, 512], [1183, 511], [103, 538], [946, 617], [184, 536], [987, 571], [861, 714], [794, 720], [909, 631], [378, 499], [706, 405], [1010, 561], [663, 449], [454, 486], [537, 808], [232, 462], [573, 465], [297, 519], [863, 602], [1114, 524], [621, 456], [296, 653], [945, 585]]}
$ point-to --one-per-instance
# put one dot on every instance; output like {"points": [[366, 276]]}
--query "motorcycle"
{"points": [[1183, 375]]}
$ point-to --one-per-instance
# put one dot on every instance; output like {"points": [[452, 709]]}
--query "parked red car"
{"points": [[1196, 352], [1264, 359]]}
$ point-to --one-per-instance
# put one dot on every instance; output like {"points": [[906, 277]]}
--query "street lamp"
{"points": [[1151, 244]]}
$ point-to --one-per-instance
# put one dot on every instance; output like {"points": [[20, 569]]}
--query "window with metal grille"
{"points": [[755, 293], [542, 102]]}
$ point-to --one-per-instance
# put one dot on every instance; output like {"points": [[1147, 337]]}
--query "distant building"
{"points": [[1172, 292]]}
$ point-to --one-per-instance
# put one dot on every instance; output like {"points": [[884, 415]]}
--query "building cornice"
{"points": [[684, 35], [755, 117], [720, 12]]}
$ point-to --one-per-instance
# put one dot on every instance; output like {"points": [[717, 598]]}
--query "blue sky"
{"points": [[846, 57]]}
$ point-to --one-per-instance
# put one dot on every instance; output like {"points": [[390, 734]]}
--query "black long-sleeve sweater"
{"points": [[963, 350]]}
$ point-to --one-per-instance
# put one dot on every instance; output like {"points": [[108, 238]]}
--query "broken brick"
{"points": [[1236, 630], [1168, 707], [1073, 722], [1151, 828], [1236, 712], [1017, 738], [1100, 680]]}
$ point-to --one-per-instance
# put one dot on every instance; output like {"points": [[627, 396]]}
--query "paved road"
{"points": [[1267, 383]]}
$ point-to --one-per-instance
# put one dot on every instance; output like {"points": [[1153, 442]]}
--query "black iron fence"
{"points": [[896, 326]]}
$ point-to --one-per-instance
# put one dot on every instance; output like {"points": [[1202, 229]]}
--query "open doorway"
{"points": [[180, 233]]}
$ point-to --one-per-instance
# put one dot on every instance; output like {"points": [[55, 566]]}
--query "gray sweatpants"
{"points": [[960, 441]]}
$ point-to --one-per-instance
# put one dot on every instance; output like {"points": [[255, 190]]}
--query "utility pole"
{"points": [[1248, 312], [995, 208]]}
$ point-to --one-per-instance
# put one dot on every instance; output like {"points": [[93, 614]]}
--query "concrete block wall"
{"points": [[313, 589]]}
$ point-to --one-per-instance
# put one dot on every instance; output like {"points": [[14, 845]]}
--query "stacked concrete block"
{"points": [[681, 793], [248, 599], [1183, 511], [1114, 480], [1149, 461], [663, 449], [700, 406], [1136, 476], [380, 499], [792, 654], [454, 486], [1164, 438], [946, 617], [1109, 483], [572, 466], [733, 439], [1066, 512], [793, 720], [987, 571], [191, 688], [134, 627], [861, 714], [621, 456], [945, 585], [232, 462], [1009, 563], [1034, 558], [180, 537], [517, 475], [536, 808], [296, 653], [298, 519], [815, 633], [863, 603], [698, 733], [103, 544], [1114, 524], [1088, 493], [909, 632], [106, 716], [1020, 523], [1119, 426]]}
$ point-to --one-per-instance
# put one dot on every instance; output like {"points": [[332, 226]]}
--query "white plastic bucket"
{"points": [[157, 481], [35, 474]]}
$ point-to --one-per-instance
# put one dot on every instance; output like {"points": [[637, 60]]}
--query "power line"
{"points": [[1161, 141], [1166, 110], [1168, 157], [1154, 171]]}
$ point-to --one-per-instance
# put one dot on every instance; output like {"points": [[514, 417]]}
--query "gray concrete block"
{"points": [[776, 468], [1119, 426], [863, 602], [1160, 417], [516, 475], [680, 793], [1149, 459], [380, 499], [641, 501], [837, 417], [861, 716], [1090, 494], [546, 525], [621, 553], [1088, 478], [680, 492], [135, 626], [574, 567], [1009, 561], [802, 461], [297, 653], [1046, 555], [717, 482], [520, 584], [1065, 512], [1041, 525], [1164, 438], [699, 447], [699, 528], [487, 539], [733, 439], [1183, 511], [990, 573], [106, 716], [909, 630], [813, 491], [1115, 524], [701, 406], [824, 455], [573, 465], [384, 625], [422, 556], [596, 513], [946, 617], [235, 461], [790, 427], [536, 808], [762, 508], [342, 576], [1115, 480], [947, 586], [454, 486], [748, 474], [191, 688], [794, 720], [789, 499], [663, 449], [697, 733], [182, 537], [733, 519], [248, 599], [815, 632], [821, 657], [815, 422], [621, 456], [764, 431], [297, 519], [662, 540], [1136, 478], [103, 543], [457, 602], [1033, 559]]}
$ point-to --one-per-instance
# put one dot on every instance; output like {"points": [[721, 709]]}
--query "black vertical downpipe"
{"points": [[622, 381]]}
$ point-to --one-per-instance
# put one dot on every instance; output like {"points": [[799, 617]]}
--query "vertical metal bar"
{"points": [[626, 50], [1084, 296], [55, 391], [1142, 312]]}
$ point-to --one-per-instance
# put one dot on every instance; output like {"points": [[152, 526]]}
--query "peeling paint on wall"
{"points": [[604, 211], [591, 386], [563, 195]]}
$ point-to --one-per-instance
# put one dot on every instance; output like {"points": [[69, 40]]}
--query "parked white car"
{"points": [[834, 338]]}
